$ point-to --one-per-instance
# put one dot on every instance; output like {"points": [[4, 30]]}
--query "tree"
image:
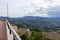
{"points": [[25, 36], [37, 35]]}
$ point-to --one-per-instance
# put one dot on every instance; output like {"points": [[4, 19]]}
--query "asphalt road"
{"points": [[3, 30]]}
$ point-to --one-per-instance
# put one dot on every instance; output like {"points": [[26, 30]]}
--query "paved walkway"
{"points": [[2, 30]]}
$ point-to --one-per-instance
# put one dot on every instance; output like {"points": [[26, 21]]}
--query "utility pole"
{"points": [[7, 10]]}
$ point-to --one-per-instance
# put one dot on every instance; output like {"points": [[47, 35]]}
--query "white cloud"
{"points": [[19, 8]]}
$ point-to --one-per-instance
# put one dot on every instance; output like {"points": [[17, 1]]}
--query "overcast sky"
{"points": [[20, 8]]}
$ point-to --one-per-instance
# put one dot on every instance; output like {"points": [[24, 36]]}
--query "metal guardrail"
{"points": [[15, 35]]}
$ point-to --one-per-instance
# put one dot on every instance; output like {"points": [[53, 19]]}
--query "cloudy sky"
{"points": [[20, 8]]}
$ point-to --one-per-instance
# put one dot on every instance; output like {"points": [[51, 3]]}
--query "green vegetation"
{"points": [[49, 24], [25, 36], [35, 35]]}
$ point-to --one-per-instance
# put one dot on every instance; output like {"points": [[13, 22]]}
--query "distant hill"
{"points": [[47, 23]]}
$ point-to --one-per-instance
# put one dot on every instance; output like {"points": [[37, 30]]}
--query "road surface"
{"points": [[3, 30]]}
